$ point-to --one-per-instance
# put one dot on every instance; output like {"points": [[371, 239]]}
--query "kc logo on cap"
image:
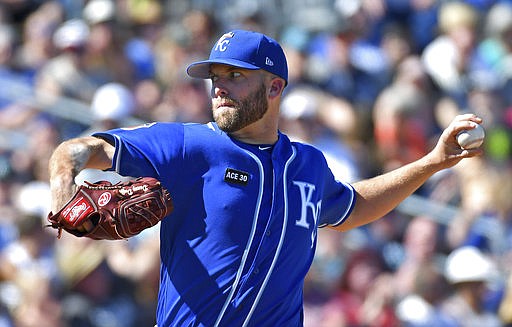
{"points": [[223, 42]]}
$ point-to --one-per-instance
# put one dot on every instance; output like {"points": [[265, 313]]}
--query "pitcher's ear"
{"points": [[276, 87]]}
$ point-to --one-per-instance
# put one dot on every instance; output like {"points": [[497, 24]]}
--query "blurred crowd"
{"points": [[372, 83]]}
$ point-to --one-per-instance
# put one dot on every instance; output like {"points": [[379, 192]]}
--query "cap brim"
{"points": [[201, 69]]}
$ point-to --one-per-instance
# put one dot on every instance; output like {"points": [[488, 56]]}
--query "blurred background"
{"points": [[372, 84]]}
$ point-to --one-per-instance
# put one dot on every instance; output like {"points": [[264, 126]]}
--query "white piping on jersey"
{"points": [[249, 243], [118, 146], [344, 215], [281, 239], [211, 126]]}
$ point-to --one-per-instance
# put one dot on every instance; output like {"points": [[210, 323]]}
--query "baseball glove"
{"points": [[106, 211]]}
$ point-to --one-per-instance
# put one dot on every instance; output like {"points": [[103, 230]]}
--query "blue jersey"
{"points": [[242, 236]]}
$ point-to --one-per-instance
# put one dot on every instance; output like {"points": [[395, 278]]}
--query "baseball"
{"points": [[96, 175], [471, 138]]}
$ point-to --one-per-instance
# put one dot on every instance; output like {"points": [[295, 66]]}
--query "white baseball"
{"points": [[96, 175], [471, 138]]}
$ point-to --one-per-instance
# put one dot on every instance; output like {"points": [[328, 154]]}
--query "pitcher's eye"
{"points": [[228, 76], [213, 77], [234, 75]]}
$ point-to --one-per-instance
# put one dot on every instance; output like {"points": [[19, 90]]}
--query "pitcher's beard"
{"points": [[242, 113]]}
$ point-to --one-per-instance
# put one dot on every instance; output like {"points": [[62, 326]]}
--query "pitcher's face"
{"points": [[238, 97]]}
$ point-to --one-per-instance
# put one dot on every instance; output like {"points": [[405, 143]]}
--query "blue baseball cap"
{"points": [[244, 49]]}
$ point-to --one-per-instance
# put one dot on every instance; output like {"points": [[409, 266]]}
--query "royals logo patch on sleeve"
{"points": [[236, 176]]}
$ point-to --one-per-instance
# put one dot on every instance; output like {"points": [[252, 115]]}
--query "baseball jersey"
{"points": [[242, 236]]}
